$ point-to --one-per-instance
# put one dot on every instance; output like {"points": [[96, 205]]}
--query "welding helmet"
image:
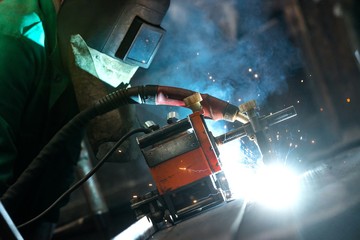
{"points": [[125, 30], [120, 37]]}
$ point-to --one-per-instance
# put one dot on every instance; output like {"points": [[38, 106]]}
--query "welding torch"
{"points": [[256, 127]]}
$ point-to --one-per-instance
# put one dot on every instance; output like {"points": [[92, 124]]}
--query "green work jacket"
{"points": [[36, 100]]}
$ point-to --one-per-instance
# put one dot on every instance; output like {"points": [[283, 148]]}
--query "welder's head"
{"points": [[108, 39], [125, 30]]}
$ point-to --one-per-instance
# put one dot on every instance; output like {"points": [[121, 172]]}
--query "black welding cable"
{"points": [[43, 163], [87, 176], [15, 194]]}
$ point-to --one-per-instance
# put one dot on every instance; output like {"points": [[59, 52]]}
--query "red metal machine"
{"points": [[195, 159], [185, 163], [182, 156]]}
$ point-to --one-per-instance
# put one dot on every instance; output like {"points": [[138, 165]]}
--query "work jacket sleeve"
{"points": [[20, 65]]}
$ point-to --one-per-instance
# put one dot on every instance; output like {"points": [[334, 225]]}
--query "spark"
{"points": [[275, 187], [298, 101], [313, 141], [290, 150], [348, 100], [197, 53], [302, 80], [250, 70], [256, 75], [321, 109]]}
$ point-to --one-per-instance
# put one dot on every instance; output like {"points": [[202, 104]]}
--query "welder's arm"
{"points": [[16, 72]]}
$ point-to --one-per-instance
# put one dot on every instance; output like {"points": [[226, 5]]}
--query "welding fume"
{"points": [[81, 90]]}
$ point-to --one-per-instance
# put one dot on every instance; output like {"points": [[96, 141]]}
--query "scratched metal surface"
{"points": [[329, 209]]}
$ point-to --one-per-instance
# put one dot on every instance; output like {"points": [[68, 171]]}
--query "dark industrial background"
{"points": [[279, 52]]}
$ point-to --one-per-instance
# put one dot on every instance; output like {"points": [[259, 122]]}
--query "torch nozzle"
{"points": [[254, 128], [243, 118]]}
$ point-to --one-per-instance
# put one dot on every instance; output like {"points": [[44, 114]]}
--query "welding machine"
{"points": [[184, 162], [182, 157]]}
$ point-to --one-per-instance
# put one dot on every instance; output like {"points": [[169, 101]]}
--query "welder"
{"points": [[37, 99]]}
